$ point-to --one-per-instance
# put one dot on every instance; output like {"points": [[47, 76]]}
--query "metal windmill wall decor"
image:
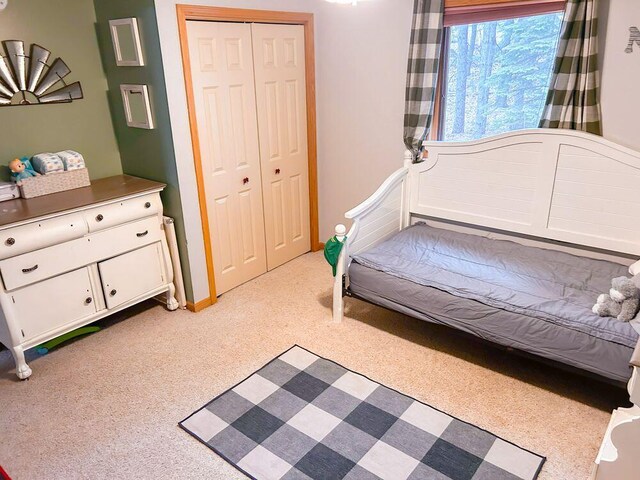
{"points": [[27, 79]]}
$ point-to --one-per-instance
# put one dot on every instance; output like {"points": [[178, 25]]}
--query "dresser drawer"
{"points": [[133, 274], [107, 216], [45, 263], [127, 237], [54, 303], [32, 236]]}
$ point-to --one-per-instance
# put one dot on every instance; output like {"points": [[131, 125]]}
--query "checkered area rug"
{"points": [[305, 417]]}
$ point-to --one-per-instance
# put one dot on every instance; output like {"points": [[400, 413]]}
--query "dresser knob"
{"points": [[99, 218], [113, 292], [277, 171], [147, 205], [88, 300], [10, 241], [245, 180]]}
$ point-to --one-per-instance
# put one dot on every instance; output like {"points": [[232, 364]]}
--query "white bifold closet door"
{"points": [[279, 64], [224, 95], [249, 93]]}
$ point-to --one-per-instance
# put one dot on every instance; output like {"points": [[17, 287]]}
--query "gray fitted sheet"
{"points": [[462, 281]]}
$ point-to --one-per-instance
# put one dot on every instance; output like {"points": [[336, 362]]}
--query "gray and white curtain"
{"points": [[422, 72], [573, 98]]}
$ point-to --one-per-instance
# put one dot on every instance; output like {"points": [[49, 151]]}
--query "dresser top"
{"points": [[102, 190]]}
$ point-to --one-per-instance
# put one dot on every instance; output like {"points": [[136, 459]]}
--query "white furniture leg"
{"points": [[22, 369], [338, 300], [172, 244], [172, 303]]}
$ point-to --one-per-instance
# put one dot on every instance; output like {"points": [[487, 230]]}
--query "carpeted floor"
{"points": [[107, 406]]}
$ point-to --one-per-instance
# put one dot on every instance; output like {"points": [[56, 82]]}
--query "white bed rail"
{"points": [[377, 218]]}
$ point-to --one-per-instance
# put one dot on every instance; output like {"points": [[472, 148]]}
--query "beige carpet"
{"points": [[106, 406]]}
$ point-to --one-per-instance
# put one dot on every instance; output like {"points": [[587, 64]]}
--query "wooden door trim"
{"points": [[223, 14], [197, 306]]}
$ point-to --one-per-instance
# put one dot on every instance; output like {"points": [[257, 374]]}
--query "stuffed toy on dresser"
{"points": [[21, 168]]}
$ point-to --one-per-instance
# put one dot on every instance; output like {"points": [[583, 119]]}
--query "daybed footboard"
{"points": [[374, 220]]}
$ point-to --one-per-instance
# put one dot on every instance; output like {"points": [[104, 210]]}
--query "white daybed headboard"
{"points": [[560, 185], [554, 184]]}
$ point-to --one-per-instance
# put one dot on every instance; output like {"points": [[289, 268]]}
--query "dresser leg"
{"points": [[22, 369], [172, 303]]}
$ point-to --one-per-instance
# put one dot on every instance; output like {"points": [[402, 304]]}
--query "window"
{"points": [[496, 74]]}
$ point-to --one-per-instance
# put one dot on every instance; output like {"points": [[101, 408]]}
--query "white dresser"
{"points": [[74, 257]]}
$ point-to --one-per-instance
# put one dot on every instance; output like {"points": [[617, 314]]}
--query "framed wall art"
{"points": [[126, 42], [137, 107]]}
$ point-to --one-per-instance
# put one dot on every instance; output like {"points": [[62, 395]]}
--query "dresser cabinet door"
{"points": [[133, 274], [53, 303]]}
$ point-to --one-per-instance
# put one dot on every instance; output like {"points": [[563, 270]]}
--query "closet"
{"points": [[250, 104]]}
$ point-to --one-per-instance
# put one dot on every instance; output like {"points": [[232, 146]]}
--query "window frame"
{"points": [[461, 12]]}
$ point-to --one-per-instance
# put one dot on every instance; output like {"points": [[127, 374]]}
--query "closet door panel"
{"points": [[224, 95], [279, 64]]}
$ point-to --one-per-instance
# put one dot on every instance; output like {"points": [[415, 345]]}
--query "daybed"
{"points": [[511, 239], [528, 298]]}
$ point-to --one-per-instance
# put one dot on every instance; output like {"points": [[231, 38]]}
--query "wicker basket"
{"points": [[54, 182]]}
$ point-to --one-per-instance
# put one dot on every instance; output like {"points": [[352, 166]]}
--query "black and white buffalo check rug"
{"points": [[305, 417]]}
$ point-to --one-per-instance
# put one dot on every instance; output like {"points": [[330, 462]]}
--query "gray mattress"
{"points": [[528, 298]]}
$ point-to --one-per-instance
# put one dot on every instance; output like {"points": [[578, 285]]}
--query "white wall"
{"points": [[620, 94], [361, 56]]}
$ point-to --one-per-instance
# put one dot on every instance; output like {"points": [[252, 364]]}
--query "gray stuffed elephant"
{"points": [[622, 301]]}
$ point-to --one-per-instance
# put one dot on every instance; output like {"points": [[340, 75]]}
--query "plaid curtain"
{"points": [[422, 72], [573, 98]]}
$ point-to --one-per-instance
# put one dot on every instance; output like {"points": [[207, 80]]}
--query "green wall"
{"points": [[67, 30], [144, 153]]}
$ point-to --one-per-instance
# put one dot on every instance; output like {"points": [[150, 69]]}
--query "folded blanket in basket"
{"points": [[71, 159], [45, 163]]}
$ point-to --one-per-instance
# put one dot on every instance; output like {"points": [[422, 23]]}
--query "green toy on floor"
{"points": [[51, 344]]}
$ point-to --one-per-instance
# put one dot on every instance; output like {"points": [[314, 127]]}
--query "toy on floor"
{"points": [[21, 168], [622, 301], [45, 347]]}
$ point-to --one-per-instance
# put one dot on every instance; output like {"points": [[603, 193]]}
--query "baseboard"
{"points": [[201, 305]]}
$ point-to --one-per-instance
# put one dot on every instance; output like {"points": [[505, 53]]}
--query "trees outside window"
{"points": [[497, 75]]}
